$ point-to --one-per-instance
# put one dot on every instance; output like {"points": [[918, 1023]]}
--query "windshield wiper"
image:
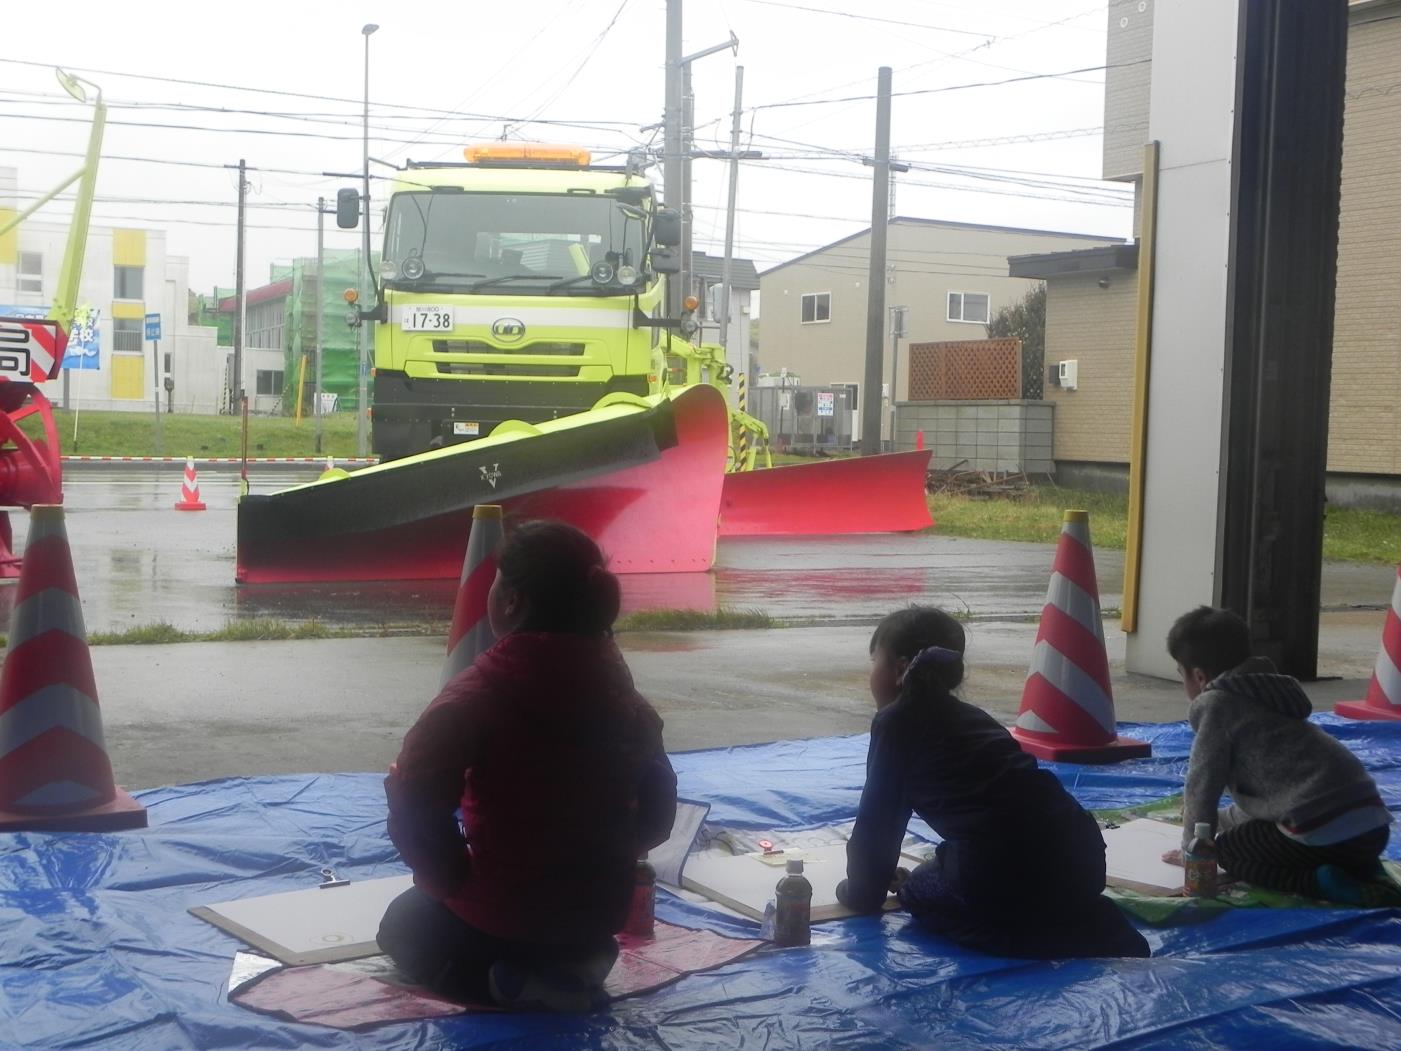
{"points": [[511, 277], [576, 280]]}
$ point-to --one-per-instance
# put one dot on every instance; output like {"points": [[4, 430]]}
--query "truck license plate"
{"points": [[419, 318], [469, 430]]}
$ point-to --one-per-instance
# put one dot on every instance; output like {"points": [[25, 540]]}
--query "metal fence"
{"points": [[805, 419]]}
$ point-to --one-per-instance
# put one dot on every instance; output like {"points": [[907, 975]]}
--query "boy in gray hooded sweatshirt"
{"points": [[1306, 817]]}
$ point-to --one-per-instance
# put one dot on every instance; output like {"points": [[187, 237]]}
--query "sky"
{"points": [[280, 85]]}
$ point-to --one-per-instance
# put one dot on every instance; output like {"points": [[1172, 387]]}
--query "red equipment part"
{"points": [[866, 494], [31, 351]]}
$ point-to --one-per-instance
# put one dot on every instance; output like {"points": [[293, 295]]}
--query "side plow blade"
{"points": [[867, 494]]}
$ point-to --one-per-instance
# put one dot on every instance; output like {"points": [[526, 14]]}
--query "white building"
{"points": [[127, 274]]}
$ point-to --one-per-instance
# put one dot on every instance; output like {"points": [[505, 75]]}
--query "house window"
{"points": [[270, 381], [969, 306], [817, 306], [127, 335], [31, 272], [129, 282], [265, 322], [167, 361]]}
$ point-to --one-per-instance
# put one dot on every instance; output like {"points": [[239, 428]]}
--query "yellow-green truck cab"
{"points": [[518, 285]]}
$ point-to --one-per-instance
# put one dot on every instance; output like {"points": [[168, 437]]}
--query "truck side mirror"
{"points": [[347, 208], [666, 228], [666, 261]]}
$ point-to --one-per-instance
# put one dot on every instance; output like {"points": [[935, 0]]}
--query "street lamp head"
{"points": [[71, 85], [369, 28]]}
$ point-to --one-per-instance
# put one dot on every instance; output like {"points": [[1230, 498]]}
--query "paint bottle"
{"points": [[792, 923], [641, 919], [1199, 864]]}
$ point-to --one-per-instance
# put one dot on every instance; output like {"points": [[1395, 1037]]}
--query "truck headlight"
{"points": [[412, 268]]}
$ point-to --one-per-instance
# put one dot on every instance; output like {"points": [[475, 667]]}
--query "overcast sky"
{"points": [[279, 85]]}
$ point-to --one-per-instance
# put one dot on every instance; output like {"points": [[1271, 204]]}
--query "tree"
{"points": [[1026, 320]]}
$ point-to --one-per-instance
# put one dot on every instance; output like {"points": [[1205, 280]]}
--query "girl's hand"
{"points": [[1173, 857]]}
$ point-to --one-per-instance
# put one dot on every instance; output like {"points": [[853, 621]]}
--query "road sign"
{"points": [[153, 327]]}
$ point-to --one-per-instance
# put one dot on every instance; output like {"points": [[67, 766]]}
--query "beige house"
{"points": [[1092, 298], [951, 278]]}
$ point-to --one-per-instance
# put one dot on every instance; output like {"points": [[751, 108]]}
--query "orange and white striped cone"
{"points": [[471, 632], [54, 770], [1384, 695], [189, 489], [1067, 712]]}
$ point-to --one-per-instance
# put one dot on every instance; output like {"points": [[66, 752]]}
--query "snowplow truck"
{"points": [[525, 284]]}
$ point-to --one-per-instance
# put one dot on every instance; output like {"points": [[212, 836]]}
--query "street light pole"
{"points": [[362, 420]]}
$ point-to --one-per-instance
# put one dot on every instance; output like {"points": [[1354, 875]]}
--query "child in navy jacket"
{"points": [[1021, 867]]}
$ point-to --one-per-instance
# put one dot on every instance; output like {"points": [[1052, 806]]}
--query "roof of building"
{"points": [[946, 223], [277, 290], [1098, 260], [743, 273]]}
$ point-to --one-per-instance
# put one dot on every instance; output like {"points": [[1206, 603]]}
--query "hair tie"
{"points": [[935, 655]]}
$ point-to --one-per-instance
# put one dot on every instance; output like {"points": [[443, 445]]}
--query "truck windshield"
{"points": [[494, 241]]}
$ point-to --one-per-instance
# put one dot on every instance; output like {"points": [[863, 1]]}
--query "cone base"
{"points": [[1114, 751], [1363, 710], [122, 812], [190, 505]]}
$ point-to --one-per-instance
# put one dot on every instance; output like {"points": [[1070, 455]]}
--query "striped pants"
{"points": [[1259, 853]]}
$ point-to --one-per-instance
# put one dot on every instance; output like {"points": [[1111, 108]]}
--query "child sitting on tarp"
{"points": [[557, 764], [1020, 870], [1306, 817]]}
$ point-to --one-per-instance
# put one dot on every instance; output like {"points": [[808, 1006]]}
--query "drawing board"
{"points": [[312, 925], [1134, 857], [746, 882]]}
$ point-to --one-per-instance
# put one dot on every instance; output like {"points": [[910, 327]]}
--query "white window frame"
{"points": [[815, 297], [960, 320], [258, 382], [31, 281], [129, 327]]}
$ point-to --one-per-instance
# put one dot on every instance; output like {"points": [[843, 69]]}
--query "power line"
{"points": [[959, 87], [869, 18]]}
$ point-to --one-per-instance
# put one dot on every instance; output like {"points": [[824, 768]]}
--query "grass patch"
{"points": [[1349, 534], [259, 629], [134, 434], [144, 635], [1354, 535], [694, 620], [1036, 517]]}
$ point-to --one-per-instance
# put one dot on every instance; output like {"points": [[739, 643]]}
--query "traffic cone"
{"points": [[189, 489], [471, 631], [54, 770], [1384, 695], [1067, 712]]}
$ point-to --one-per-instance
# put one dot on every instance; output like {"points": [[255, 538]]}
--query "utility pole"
{"points": [[320, 308], [875, 284], [671, 138], [688, 120], [727, 269], [897, 329], [362, 331], [240, 317]]}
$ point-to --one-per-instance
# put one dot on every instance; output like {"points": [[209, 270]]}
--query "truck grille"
{"points": [[477, 346], [472, 368]]}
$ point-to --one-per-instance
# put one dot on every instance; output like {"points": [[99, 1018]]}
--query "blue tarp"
{"points": [[98, 950]]}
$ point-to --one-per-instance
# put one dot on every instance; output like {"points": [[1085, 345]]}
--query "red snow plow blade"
{"points": [[865, 494], [643, 478]]}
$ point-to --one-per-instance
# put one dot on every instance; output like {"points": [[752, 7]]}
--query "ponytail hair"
{"points": [[931, 640], [563, 577]]}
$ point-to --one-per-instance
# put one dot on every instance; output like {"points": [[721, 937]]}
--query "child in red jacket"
{"points": [[558, 767]]}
